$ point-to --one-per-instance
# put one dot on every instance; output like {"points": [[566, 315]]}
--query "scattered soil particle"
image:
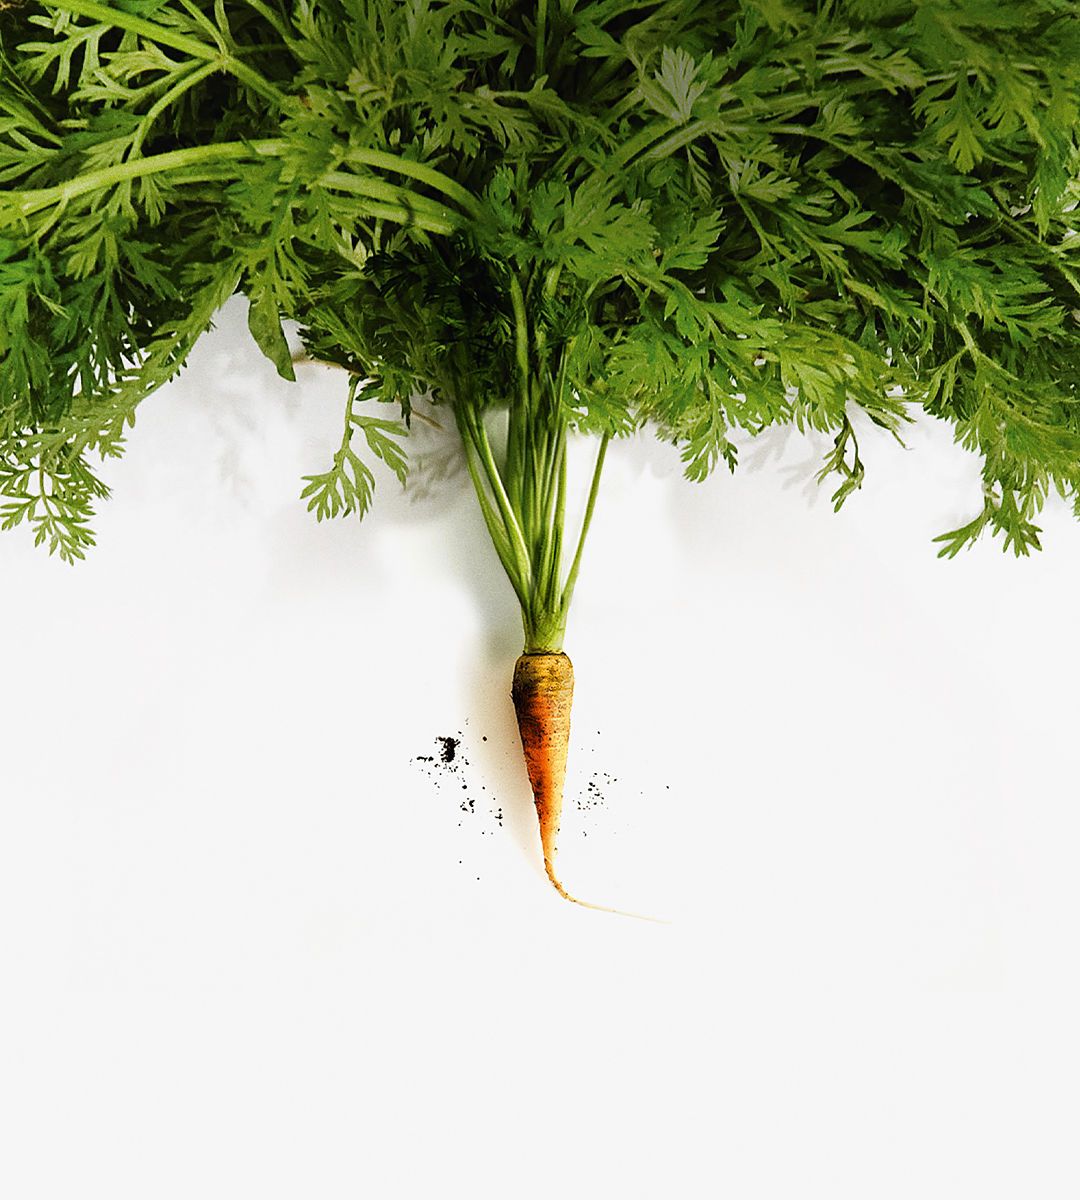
{"points": [[447, 764], [594, 795], [450, 767], [450, 763]]}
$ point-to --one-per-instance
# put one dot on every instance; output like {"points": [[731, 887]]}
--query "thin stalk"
{"points": [[682, 137], [614, 166], [560, 525], [202, 19], [541, 35], [543, 539], [407, 216], [402, 206], [547, 483], [379, 189], [556, 520], [154, 32], [520, 441], [385, 161], [538, 453], [571, 578], [184, 84], [478, 434], [494, 527], [268, 15], [524, 504], [515, 450], [492, 518], [521, 335], [35, 200], [406, 207], [551, 281], [109, 15]]}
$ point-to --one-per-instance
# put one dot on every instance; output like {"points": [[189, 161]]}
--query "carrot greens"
{"points": [[553, 218]]}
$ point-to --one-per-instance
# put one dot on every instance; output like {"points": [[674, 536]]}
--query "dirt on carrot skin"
{"points": [[543, 694]]}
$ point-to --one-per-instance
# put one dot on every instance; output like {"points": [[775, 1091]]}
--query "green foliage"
{"points": [[697, 215], [347, 486]]}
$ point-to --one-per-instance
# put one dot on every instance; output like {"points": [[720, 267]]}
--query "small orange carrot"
{"points": [[543, 692]]}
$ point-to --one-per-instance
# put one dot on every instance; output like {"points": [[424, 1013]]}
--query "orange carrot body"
{"points": [[543, 692]]}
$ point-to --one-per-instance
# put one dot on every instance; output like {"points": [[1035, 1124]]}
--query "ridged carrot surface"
{"points": [[543, 692]]}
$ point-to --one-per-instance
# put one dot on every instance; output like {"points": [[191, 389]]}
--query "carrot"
{"points": [[543, 692]]}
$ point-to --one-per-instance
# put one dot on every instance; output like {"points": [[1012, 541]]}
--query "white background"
{"points": [[251, 948]]}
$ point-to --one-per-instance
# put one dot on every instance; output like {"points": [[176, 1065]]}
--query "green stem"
{"points": [[521, 336], [269, 16], [406, 216], [682, 137], [30, 202], [474, 425], [519, 432], [571, 579], [515, 443], [154, 32], [541, 35], [555, 519], [401, 205], [491, 520], [421, 172], [614, 166], [184, 84], [380, 159], [109, 15], [524, 504]]}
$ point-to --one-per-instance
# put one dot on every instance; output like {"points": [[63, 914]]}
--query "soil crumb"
{"points": [[594, 792], [448, 764]]}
